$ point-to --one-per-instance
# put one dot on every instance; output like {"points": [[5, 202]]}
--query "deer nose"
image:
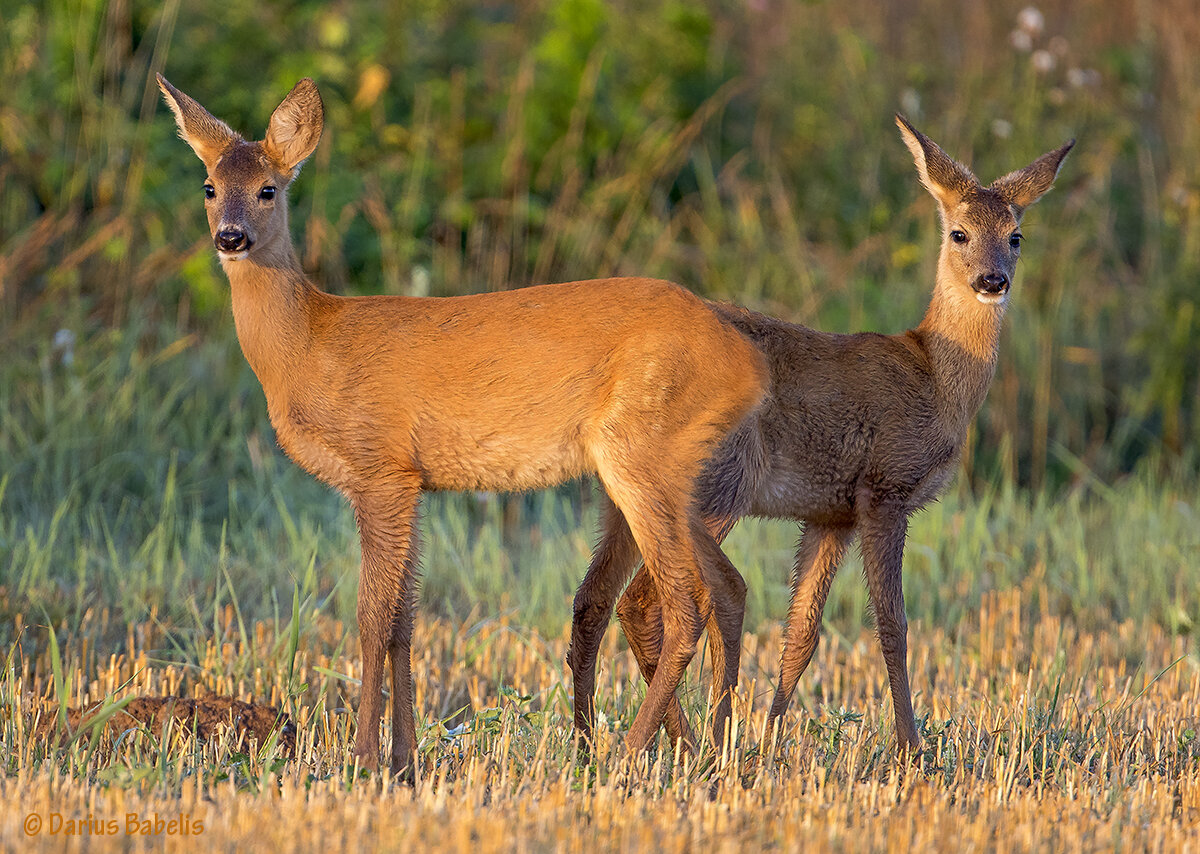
{"points": [[231, 240], [992, 283]]}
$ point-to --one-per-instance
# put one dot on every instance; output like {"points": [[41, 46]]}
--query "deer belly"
{"points": [[812, 493], [457, 459]]}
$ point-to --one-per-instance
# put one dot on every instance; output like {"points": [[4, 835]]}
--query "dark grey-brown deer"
{"points": [[383, 397], [858, 431]]}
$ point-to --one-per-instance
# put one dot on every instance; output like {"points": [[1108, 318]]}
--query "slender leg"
{"points": [[883, 531], [658, 517], [640, 613], [386, 591], [677, 578], [614, 558], [727, 610], [404, 729], [821, 549]]}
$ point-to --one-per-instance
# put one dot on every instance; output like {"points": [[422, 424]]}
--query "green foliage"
{"points": [[745, 150], [132, 488]]}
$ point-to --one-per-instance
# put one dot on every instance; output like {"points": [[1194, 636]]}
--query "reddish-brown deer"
{"points": [[384, 397], [859, 431]]}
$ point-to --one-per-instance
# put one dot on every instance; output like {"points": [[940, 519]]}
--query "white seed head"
{"points": [[1031, 20], [1043, 61]]}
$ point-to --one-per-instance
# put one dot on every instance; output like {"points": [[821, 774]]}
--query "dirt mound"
{"points": [[204, 717]]}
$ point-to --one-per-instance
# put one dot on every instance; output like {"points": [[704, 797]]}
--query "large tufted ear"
{"points": [[295, 127], [1025, 186], [207, 135], [945, 178]]}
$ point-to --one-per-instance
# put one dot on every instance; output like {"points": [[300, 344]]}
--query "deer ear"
{"points": [[1025, 186], [207, 135], [295, 127], [945, 178]]}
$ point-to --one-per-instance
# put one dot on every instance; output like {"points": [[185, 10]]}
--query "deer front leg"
{"points": [[821, 550], [883, 532], [404, 726], [386, 593]]}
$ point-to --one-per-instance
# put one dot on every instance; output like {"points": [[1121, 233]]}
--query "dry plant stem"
{"points": [[1057, 734], [634, 380], [862, 430]]}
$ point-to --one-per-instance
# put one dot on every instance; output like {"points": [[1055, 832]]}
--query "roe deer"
{"points": [[859, 431], [383, 397]]}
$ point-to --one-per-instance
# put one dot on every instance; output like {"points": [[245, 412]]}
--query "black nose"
{"points": [[232, 240], [992, 283]]}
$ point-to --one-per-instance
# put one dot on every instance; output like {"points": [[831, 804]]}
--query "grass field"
{"points": [[1038, 736], [1056, 715], [154, 541]]}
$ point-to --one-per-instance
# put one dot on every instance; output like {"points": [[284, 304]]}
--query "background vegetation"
{"points": [[744, 149]]}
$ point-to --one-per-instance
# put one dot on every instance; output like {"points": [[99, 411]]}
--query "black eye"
{"points": [[958, 236], [210, 192], [266, 193], [1015, 241]]}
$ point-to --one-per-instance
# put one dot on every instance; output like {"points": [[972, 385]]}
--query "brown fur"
{"points": [[860, 430], [384, 397], [204, 717]]}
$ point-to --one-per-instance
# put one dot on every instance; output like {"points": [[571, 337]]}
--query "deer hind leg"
{"points": [[640, 613], [658, 517], [615, 556], [883, 534], [727, 608], [821, 550], [386, 592]]}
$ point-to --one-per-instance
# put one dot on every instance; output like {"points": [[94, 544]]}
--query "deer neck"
{"points": [[272, 300], [961, 337]]}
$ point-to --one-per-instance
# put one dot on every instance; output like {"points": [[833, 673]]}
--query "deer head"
{"points": [[981, 237], [245, 193]]}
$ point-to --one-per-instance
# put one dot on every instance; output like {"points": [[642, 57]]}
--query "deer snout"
{"points": [[991, 283], [232, 240]]}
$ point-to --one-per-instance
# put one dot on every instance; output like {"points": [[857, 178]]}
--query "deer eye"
{"points": [[1015, 241], [958, 236], [210, 192], [267, 193]]}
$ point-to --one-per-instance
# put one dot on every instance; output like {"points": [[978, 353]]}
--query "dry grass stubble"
{"points": [[1039, 737]]}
